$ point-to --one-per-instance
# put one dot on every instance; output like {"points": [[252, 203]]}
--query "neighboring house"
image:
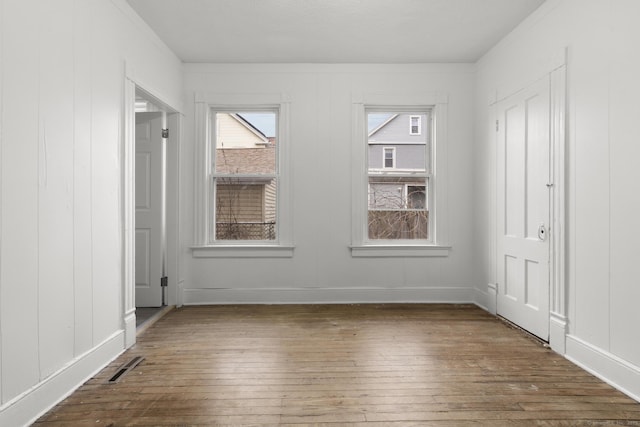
{"points": [[397, 148], [245, 200]]}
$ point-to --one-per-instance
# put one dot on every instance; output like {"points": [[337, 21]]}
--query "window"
{"points": [[398, 207], [415, 125], [244, 175], [399, 210], [242, 196], [389, 161]]}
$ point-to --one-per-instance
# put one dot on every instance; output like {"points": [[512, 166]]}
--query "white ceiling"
{"points": [[332, 31]]}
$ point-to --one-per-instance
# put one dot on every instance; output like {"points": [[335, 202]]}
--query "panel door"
{"points": [[523, 196], [148, 171]]}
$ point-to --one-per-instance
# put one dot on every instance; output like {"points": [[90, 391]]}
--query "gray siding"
{"points": [[408, 156], [397, 130]]}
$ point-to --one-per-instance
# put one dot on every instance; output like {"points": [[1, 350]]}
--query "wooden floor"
{"points": [[405, 365]]}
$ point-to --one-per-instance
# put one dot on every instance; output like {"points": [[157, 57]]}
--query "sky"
{"points": [[266, 122]]}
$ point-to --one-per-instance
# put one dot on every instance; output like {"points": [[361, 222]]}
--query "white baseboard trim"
{"points": [[486, 300], [35, 402], [558, 333], [130, 329], [327, 295], [609, 368], [492, 298], [480, 299]]}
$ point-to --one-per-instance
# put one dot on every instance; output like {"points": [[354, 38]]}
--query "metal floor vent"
{"points": [[125, 368]]}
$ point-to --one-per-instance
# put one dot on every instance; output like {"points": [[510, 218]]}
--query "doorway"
{"points": [[152, 132], [150, 204], [524, 208]]}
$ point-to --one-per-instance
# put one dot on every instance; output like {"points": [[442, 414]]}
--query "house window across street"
{"points": [[415, 125], [389, 158]]}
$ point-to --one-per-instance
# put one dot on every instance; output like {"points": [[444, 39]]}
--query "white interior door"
{"points": [[523, 212], [149, 233]]}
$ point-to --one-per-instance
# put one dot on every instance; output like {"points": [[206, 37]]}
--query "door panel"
{"points": [[148, 164], [524, 208]]}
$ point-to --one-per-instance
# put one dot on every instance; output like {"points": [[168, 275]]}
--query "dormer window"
{"points": [[415, 125]]}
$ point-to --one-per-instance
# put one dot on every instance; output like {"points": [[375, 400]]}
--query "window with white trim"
{"points": [[242, 189], [398, 207], [244, 175], [400, 211], [389, 161]]}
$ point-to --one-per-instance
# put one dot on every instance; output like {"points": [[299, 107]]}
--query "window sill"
{"points": [[242, 251], [389, 251]]}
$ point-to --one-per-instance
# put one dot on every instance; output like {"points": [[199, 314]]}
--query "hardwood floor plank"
{"points": [[333, 365]]}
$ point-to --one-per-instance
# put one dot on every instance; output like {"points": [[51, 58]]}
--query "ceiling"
{"points": [[332, 31]]}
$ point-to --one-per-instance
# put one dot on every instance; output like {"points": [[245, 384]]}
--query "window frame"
{"points": [[435, 104], [205, 245], [216, 178]]}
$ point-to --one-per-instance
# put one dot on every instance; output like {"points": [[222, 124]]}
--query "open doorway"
{"points": [[150, 203], [150, 208]]}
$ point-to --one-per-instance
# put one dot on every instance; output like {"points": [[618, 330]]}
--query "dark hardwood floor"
{"points": [[396, 364]]}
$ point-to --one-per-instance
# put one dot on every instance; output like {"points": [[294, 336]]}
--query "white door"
{"points": [[523, 214], [148, 172]]}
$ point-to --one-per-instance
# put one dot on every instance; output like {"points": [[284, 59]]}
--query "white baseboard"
{"points": [[486, 300], [130, 329], [327, 295], [609, 368], [32, 404], [558, 333], [492, 298], [180, 294]]}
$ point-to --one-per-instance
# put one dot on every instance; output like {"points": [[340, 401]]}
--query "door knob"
{"points": [[542, 232]]}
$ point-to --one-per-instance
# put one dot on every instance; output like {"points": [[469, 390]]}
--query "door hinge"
{"points": [[165, 133], [497, 125], [164, 282]]}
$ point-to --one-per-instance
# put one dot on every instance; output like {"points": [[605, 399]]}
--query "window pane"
{"points": [[398, 224], [245, 147], [245, 143], [245, 209], [397, 198], [397, 208]]}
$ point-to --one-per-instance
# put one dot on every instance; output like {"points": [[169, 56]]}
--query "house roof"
{"points": [[383, 124], [261, 160], [251, 127]]}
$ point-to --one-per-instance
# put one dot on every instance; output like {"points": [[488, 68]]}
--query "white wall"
{"points": [[322, 269], [602, 169], [61, 92]]}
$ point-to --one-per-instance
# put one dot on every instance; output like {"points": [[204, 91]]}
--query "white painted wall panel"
{"points": [[321, 130], [82, 177], [61, 105], [625, 197], [106, 92], [602, 174], [55, 202], [20, 135], [1, 173], [590, 111]]}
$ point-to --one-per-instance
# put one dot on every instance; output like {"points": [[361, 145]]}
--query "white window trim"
{"points": [[437, 192], [203, 246], [419, 125], [384, 157]]}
